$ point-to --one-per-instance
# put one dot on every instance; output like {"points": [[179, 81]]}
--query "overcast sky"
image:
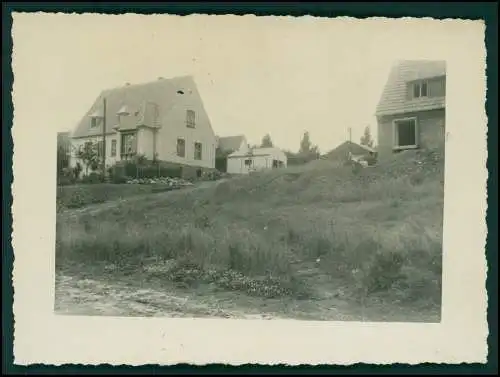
{"points": [[256, 75]]}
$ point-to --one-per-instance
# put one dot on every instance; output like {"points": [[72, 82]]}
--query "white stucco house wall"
{"points": [[247, 160]]}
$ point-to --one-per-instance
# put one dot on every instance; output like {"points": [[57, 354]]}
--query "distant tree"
{"points": [[88, 153], [305, 143], [266, 141], [308, 151], [366, 139]]}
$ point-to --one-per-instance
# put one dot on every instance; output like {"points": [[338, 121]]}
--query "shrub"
{"points": [[117, 174], [77, 170], [383, 271], [66, 177], [92, 178], [151, 170]]}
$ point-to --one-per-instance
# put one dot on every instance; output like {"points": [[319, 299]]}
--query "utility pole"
{"points": [[104, 140], [350, 141]]}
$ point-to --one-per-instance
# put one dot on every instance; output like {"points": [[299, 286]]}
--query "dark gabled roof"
{"points": [[144, 102], [230, 143], [394, 96], [341, 150]]}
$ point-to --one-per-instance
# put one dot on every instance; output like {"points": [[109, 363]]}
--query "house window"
{"points": [[113, 148], [190, 118], [248, 162], [405, 133], [128, 144], [181, 147], [419, 89], [197, 151]]}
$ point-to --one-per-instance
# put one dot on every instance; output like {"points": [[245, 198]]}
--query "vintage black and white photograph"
{"points": [[262, 169]]}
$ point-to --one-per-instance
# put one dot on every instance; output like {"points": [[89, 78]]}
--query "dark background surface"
{"points": [[488, 11]]}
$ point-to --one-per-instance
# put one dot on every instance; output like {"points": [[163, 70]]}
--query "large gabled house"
{"points": [[163, 120], [411, 110]]}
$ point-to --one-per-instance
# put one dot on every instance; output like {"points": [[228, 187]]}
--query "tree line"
{"points": [[308, 151]]}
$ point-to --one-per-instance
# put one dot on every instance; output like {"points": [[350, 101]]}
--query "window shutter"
{"points": [[437, 88]]}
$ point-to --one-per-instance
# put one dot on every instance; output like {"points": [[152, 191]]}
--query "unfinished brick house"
{"points": [[411, 110]]}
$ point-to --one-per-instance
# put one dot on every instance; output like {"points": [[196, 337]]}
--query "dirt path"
{"points": [[121, 297], [131, 296], [83, 296]]}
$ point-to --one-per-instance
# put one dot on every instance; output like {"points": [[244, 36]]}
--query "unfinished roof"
{"points": [[144, 102], [230, 143], [394, 98]]}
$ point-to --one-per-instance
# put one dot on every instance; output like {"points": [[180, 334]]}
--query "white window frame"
{"points": [[177, 144], [201, 152], [95, 122], [420, 84], [395, 143], [114, 143]]}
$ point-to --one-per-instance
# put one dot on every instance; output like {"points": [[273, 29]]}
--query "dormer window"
{"points": [[94, 122], [432, 87], [95, 119], [124, 111], [420, 89]]}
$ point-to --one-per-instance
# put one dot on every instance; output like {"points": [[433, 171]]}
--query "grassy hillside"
{"points": [[303, 232]]}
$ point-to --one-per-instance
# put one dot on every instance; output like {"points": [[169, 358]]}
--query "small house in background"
{"points": [[247, 160], [352, 151], [411, 110]]}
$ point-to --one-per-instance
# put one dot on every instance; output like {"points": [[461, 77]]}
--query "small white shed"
{"points": [[245, 161]]}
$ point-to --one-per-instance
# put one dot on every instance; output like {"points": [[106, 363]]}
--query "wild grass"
{"points": [[282, 233], [77, 196]]}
